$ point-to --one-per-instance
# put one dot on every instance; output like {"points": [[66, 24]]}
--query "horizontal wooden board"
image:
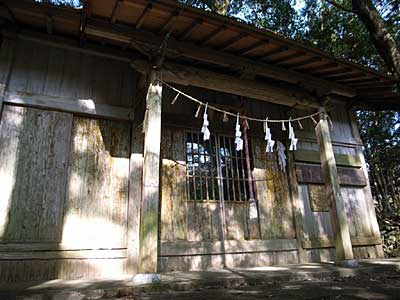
{"points": [[27, 247], [79, 106], [17, 271], [310, 156], [230, 246], [312, 174], [83, 254], [223, 261], [328, 242], [309, 135]]}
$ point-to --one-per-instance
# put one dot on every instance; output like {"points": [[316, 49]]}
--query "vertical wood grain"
{"points": [[33, 170], [173, 219], [272, 194], [296, 204], [97, 196], [151, 178], [57, 72], [135, 198], [337, 209]]}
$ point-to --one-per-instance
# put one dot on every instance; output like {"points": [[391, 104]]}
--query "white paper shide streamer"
{"points": [[268, 138], [281, 156], [238, 134], [204, 129], [253, 213], [292, 138]]}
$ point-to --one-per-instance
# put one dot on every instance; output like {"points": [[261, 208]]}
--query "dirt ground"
{"points": [[385, 285]]}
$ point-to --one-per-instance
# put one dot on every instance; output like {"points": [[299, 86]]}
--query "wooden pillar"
{"points": [[148, 247], [340, 227], [6, 60]]}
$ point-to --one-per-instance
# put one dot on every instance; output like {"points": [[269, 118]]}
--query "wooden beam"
{"points": [[79, 106], [142, 17], [81, 254], [331, 71], [47, 246], [68, 44], [193, 51], [187, 75], [313, 174], [6, 59], [169, 24], [211, 35], [286, 58], [306, 62], [340, 227], [181, 248], [318, 67], [344, 75], [274, 51], [337, 141], [328, 242], [114, 13], [360, 79], [251, 48], [232, 41], [192, 27], [311, 156], [84, 17], [148, 242], [369, 84]]}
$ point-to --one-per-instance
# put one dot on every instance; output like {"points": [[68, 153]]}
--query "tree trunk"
{"points": [[218, 6], [384, 42]]}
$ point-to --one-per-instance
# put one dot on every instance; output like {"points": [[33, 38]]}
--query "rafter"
{"points": [[142, 17], [251, 48], [232, 41], [211, 35], [145, 39], [192, 27]]}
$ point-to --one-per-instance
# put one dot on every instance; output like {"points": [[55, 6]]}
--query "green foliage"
{"points": [[340, 33], [72, 3]]}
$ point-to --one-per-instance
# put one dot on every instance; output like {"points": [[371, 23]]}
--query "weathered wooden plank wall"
{"points": [[65, 208], [358, 201], [191, 231], [40, 69], [272, 194], [97, 191], [34, 146], [276, 215], [101, 155]]}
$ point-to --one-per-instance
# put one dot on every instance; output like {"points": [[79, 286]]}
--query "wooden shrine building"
{"points": [[101, 175]]}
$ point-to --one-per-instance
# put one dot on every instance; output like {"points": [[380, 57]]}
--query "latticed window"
{"points": [[215, 170]]}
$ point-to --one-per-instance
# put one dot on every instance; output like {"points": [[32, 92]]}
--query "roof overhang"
{"points": [[138, 28]]}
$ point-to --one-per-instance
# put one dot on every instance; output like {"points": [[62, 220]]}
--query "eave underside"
{"points": [[137, 29]]}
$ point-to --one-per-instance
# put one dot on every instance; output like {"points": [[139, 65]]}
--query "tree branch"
{"points": [[341, 7]]}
